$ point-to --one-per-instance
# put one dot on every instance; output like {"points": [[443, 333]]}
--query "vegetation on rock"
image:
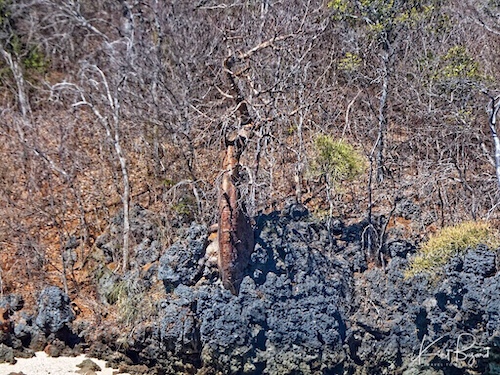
{"points": [[110, 105], [451, 241]]}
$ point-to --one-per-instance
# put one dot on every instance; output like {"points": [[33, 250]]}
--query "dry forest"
{"points": [[350, 107]]}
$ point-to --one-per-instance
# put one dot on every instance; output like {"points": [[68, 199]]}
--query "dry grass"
{"points": [[449, 242]]}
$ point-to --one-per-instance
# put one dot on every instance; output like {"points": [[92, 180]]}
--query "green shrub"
{"points": [[35, 60], [14, 41], [449, 242], [350, 62], [457, 63], [185, 207], [337, 159]]}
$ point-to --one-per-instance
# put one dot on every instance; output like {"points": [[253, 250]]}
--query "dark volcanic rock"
{"points": [[23, 331], [481, 262], [144, 230], [302, 309], [145, 244], [295, 210], [407, 209], [88, 365], [12, 302], [7, 354], [181, 262], [396, 316], [310, 303], [178, 326], [289, 313], [38, 340], [54, 310]]}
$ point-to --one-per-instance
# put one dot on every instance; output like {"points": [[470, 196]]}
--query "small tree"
{"points": [[110, 119], [336, 161], [385, 25]]}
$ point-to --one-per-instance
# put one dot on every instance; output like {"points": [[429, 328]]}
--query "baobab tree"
{"points": [[235, 232]]}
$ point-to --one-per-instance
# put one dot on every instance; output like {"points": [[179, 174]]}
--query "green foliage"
{"points": [[381, 17], [413, 15], [131, 299], [339, 6], [442, 25], [131, 302], [457, 72], [28, 55], [117, 292], [35, 60], [457, 63], [374, 11], [337, 159], [449, 242], [6, 29], [185, 206], [4, 17], [168, 183], [5, 13], [291, 129], [350, 62]]}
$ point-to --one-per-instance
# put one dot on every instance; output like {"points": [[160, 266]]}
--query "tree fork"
{"points": [[235, 232]]}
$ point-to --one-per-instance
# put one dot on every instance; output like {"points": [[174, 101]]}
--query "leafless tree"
{"points": [[178, 103], [493, 112], [112, 129]]}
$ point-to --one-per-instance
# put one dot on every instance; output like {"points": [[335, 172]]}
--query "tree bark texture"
{"points": [[235, 230], [235, 233], [382, 122], [495, 107]]}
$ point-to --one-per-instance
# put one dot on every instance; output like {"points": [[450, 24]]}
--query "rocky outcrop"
{"points": [[145, 235], [54, 310], [182, 263], [290, 309], [48, 329], [309, 303], [278, 325], [88, 367], [440, 326]]}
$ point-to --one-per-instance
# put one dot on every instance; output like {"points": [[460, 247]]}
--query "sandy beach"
{"points": [[42, 364]]}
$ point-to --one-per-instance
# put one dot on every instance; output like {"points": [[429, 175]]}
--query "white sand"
{"points": [[42, 364]]}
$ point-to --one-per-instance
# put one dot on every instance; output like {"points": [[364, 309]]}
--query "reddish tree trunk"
{"points": [[235, 233]]}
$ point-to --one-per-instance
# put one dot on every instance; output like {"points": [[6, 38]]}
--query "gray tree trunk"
{"points": [[382, 120], [495, 107]]}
